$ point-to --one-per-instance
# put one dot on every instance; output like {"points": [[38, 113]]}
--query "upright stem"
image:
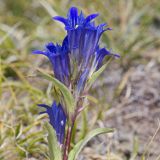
{"points": [[68, 142], [68, 136]]}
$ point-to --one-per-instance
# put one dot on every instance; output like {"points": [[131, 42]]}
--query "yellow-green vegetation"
{"points": [[26, 25]]}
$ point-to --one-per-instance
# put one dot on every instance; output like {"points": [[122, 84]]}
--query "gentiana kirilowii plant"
{"points": [[76, 63]]}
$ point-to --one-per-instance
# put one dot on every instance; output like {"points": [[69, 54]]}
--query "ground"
{"points": [[135, 113]]}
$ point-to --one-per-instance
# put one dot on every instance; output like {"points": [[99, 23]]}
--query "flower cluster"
{"points": [[74, 61]]}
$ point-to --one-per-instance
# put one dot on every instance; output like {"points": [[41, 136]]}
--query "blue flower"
{"points": [[57, 119], [83, 35], [58, 56], [83, 43], [100, 55]]}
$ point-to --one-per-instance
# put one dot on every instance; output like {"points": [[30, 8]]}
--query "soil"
{"points": [[134, 112]]}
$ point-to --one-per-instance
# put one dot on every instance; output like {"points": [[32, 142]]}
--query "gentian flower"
{"points": [[83, 35], [83, 38], [58, 56], [57, 119]]}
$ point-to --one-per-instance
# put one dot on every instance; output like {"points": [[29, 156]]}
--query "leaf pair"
{"points": [[54, 148], [96, 74], [80, 145]]}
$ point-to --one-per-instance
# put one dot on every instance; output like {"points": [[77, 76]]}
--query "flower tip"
{"points": [[54, 18], [73, 13], [91, 17], [43, 105], [34, 51], [117, 55], [73, 8], [96, 15], [60, 19], [109, 29], [37, 52]]}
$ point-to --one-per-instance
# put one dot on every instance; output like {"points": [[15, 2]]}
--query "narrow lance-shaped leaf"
{"points": [[79, 146], [96, 74], [84, 127], [54, 148], [68, 98]]}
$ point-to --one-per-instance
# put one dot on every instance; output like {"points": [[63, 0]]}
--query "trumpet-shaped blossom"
{"points": [[58, 56], [83, 35], [57, 119]]}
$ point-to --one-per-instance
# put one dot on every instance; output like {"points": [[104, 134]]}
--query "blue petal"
{"points": [[91, 17], [88, 43], [65, 46], [73, 16], [116, 55], [101, 53], [108, 29], [39, 52], [42, 112], [61, 19], [44, 106], [81, 19], [74, 38], [51, 47]]}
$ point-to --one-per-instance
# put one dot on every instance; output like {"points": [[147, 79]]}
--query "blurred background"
{"points": [[126, 97]]}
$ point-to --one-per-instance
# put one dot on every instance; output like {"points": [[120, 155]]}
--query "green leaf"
{"points": [[79, 146], [54, 148], [96, 74], [67, 95], [84, 128]]}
